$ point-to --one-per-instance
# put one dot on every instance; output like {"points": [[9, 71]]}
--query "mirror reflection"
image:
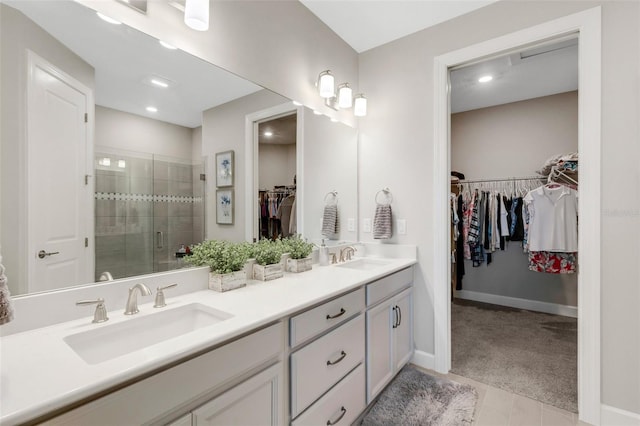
{"points": [[120, 195]]}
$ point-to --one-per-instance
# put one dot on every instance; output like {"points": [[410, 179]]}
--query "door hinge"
{"points": [[86, 117], [86, 179], [86, 241], [203, 177]]}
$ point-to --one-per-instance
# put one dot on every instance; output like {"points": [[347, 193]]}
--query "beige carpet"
{"points": [[529, 353]]}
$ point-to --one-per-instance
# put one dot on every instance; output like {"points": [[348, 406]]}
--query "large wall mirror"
{"points": [[121, 192]]}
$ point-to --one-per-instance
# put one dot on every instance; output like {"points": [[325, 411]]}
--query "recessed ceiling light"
{"points": [[485, 79], [268, 133], [159, 83], [108, 19], [167, 45], [152, 109], [296, 103], [317, 112], [334, 120]]}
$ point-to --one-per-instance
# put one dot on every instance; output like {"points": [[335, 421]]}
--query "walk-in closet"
{"points": [[277, 177], [514, 214]]}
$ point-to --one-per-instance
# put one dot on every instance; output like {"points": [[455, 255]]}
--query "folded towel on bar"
{"points": [[382, 222], [6, 310], [330, 220]]}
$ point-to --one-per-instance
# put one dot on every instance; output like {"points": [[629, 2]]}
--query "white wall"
{"points": [[397, 151], [120, 130], [279, 45], [514, 139], [277, 164], [330, 164], [223, 129], [19, 34]]}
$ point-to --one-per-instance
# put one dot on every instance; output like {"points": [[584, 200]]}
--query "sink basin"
{"points": [[111, 341], [364, 264]]}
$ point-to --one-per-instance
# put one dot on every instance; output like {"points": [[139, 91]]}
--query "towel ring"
{"points": [[334, 194], [388, 194]]}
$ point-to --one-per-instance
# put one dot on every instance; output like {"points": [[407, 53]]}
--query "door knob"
{"points": [[42, 254]]}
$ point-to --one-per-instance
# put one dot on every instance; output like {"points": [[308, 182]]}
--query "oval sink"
{"points": [[364, 263], [111, 341]]}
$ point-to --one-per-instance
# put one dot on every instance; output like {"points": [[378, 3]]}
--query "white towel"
{"points": [[382, 222], [6, 310], [330, 220]]}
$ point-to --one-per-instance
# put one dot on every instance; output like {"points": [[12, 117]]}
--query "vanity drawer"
{"points": [[344, 402], [321, 364], [388, 286], [315, 321]]}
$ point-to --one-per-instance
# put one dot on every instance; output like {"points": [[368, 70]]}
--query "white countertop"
{"points": [[40, 373]]}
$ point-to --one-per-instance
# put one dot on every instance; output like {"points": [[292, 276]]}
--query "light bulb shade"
{"points": [[345, 96], [360, 107], [196, 14], [326, 84]]}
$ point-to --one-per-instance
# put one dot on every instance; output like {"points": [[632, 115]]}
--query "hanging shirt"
{"points": [[553, 219]]}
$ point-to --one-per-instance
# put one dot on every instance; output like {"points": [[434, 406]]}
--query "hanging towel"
{"points": [[382, 222], [330, 220], [6, 310]]}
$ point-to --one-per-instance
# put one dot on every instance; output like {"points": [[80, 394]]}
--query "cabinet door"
{"points": [[403, 331], [257, 401], [380, 365]]}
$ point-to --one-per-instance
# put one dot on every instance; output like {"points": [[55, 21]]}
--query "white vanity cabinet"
{"points": [[240, 382], [389, 329], [327, 374]]}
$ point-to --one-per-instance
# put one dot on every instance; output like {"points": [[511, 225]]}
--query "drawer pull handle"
{"points": [[342, 355], [399, 315], [395, 317], [339, 314], [343, 412]]}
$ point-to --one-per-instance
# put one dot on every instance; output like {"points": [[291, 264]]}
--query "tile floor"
{"points": [[496, 407]]}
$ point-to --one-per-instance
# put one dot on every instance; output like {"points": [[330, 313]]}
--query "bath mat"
{"points": [[415, 398]]}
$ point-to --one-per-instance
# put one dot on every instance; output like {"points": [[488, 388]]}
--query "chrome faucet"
{"points": [[100, 314], [132, 301], [346, 253]]}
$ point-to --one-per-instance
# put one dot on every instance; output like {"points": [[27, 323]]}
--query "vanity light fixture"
{"points": [[196, 14], [106, 161], [345, 96], [108, 19], [122, 164], [152, 109], [167, 45], [485, 79], [360, 106], [326, 84]]}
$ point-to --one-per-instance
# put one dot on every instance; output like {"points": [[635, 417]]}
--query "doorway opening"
{"points": [[514, 138], [588, 25]]}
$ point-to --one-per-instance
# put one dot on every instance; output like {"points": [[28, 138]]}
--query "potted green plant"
{"points": [[268, 254], [299, 254], [226, 261]]}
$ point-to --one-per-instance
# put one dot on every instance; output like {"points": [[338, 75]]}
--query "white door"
{"points": [[403, 333], [379, 348], [60, 208], [256, 402]]}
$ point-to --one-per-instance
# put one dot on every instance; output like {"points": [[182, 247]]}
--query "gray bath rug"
{"points": [[414, 398], [529, 353]]}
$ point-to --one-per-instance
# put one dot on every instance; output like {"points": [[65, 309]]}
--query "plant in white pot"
{"points": [[226, 261], [268, 254], [299, 254]]}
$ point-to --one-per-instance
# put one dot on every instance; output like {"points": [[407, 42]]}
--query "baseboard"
{"points": [[424, 360], [514, 302], [612, 416]]}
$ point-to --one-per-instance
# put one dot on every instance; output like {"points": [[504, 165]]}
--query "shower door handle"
{"points": [[159, 239]]}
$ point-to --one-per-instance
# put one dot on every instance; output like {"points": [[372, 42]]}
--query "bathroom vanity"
{"points": [[308, 348]]}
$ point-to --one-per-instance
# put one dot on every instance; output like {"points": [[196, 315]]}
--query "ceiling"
{"points": [[282, 129], [123, 75]]}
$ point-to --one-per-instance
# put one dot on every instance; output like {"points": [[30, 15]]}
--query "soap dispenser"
{"points": [[324, 254]]}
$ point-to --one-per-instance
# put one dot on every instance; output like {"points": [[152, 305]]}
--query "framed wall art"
{"points": [[224, 206], [224, 169]]}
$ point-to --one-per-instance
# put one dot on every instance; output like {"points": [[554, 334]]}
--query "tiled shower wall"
{"points": [[146, 207]]}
